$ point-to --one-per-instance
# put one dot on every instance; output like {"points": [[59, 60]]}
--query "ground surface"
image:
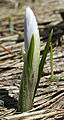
{"points": [[49, 99]]}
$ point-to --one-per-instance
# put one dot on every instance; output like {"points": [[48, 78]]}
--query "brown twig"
{"points": [[6, 49]]}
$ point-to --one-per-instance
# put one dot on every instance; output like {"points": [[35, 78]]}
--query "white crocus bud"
{"points": [[30, 27], [32, 70], [31, 62]]}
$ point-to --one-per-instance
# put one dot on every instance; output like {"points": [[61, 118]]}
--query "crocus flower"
{"points": [[30, 72]]}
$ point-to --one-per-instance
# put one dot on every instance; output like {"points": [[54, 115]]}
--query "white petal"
{"points": [[30, 26]]}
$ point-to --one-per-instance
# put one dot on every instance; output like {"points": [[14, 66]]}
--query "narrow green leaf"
{"points": [[25, 94], [51, 61], [44, 55], [43, 59], [30, 55]]}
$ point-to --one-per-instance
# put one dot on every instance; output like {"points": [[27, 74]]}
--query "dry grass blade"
{"points": [[34, 115]]}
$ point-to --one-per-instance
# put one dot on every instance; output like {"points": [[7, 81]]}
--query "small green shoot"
{"points": [[51, 64], [10, 25]]}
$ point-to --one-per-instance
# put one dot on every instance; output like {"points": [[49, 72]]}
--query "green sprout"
{"points": [[51, 64], [10, 25]]}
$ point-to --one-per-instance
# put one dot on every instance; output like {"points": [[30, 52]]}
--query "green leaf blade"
{"points": [[30, 55], [25, 103], [43, 59]]}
